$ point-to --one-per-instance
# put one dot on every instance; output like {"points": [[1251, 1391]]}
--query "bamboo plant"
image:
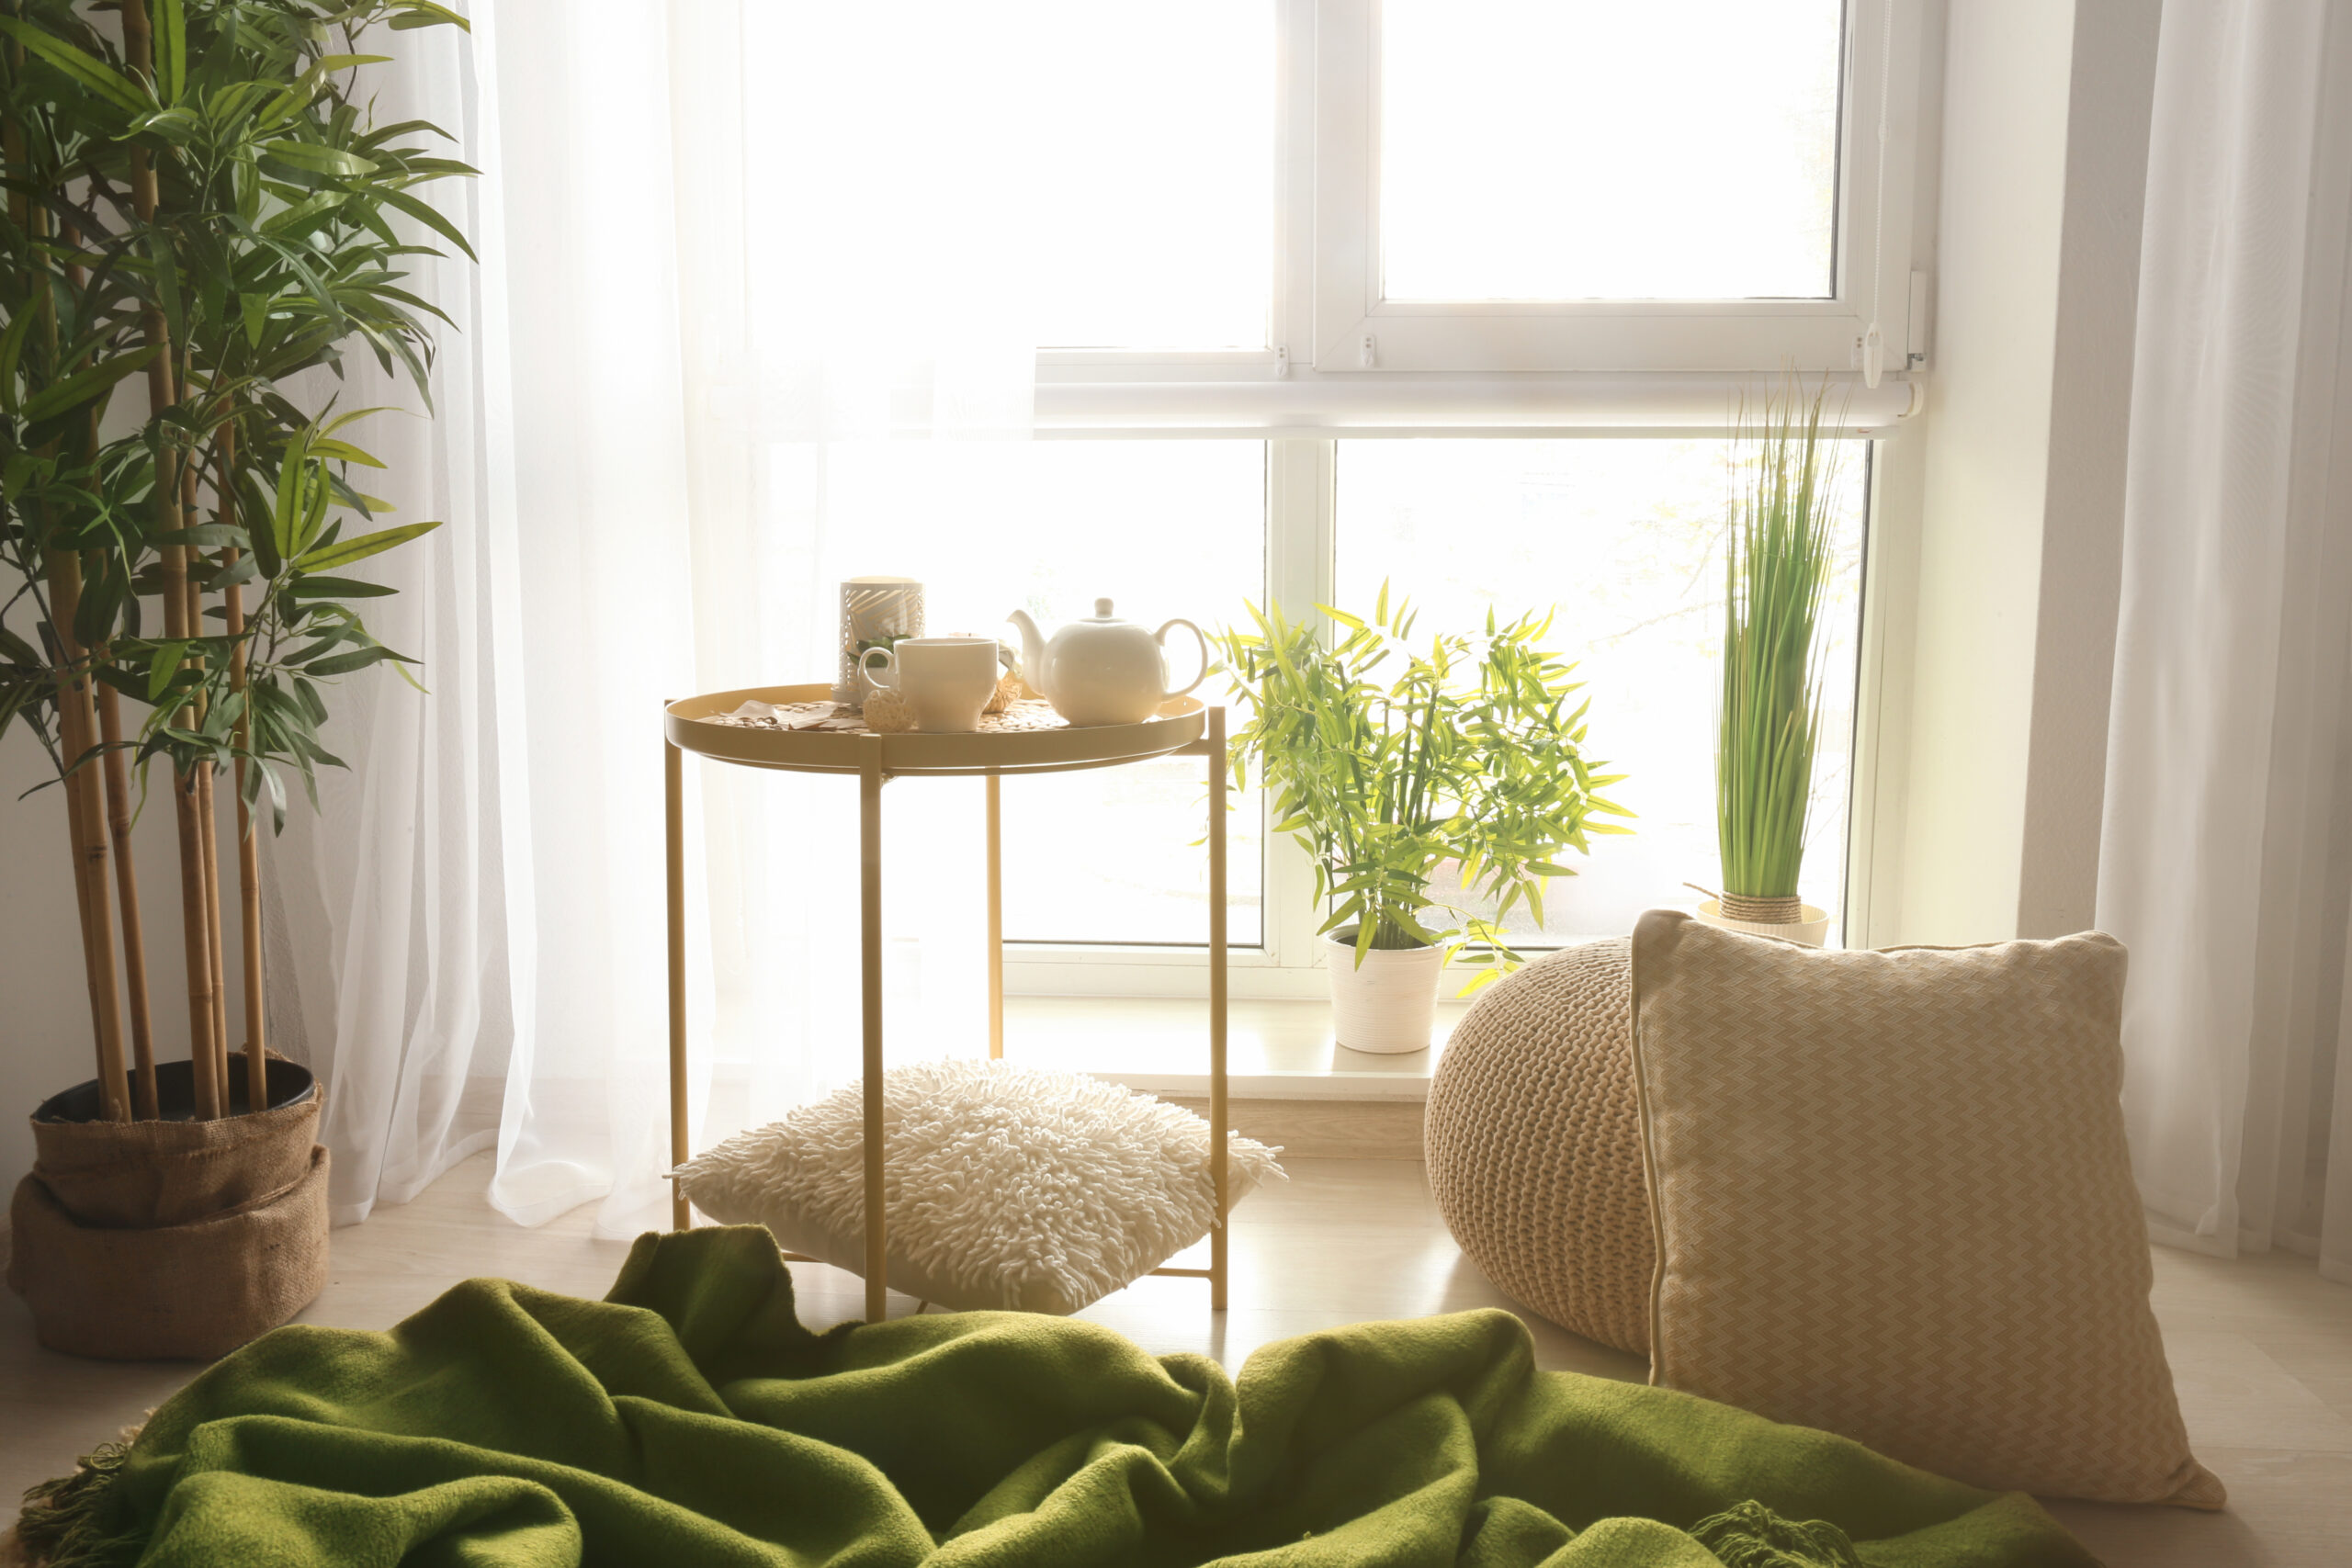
{"points": [[1778, 562], [1389, 764], [198, 197]]}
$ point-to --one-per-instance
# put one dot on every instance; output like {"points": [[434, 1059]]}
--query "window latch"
{"points": [[1282, 362], [1368, 353]]}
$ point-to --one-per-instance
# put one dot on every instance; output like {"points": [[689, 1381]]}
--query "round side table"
{"points": [[1022, 743]]}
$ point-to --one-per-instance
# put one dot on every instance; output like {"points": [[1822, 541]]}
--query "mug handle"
{"points": [[1160, 637], [890, 663]]}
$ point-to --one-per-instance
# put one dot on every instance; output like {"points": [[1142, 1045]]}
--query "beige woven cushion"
{"points": [[1534, 1139], [1893, 1200]]}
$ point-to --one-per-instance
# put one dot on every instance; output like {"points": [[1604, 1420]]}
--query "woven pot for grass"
{"points": [[1533, 1140], [173, 1237]]}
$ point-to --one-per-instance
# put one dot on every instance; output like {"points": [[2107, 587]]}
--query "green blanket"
{"points": [[690, 1419]]}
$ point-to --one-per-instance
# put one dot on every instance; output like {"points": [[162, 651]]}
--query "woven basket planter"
{"points": [[1534, 1139], [171, 1238]]}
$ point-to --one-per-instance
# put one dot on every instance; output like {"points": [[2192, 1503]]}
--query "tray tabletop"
{"points": [[1029, 739]]}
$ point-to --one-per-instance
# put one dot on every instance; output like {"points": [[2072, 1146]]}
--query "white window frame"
{"points": [[1356, 329], [1471, 369]]}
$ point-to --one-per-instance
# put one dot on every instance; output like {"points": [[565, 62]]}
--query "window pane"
{"points": [[1162, 528], [1083, 174], [1625, 538], [1156, 202], [1582, 150]]}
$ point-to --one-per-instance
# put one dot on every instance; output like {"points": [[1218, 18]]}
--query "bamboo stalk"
{"points": [[207, 821], [116, 781], [84, 815], [138, 54], [209, 1098], [86, 822], [248, 847], [210, 816], [77, 834], [134, 925]]}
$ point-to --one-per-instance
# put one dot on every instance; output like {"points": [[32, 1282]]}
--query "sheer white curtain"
{"points": [[390, 916], [2227, 854], [722, 287]]}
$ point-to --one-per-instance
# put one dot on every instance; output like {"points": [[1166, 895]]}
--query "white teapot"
{"points": [[1103, 670]]}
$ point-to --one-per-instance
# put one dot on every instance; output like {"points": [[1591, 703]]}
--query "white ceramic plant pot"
{"points": [[1811, 931], [1389, 1002]]}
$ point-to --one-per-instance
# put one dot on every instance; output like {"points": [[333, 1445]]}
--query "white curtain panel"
{"points": [[699, 378], [2227, 854], [390, 919]]}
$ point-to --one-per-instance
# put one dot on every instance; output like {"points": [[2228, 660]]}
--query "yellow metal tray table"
{"points": [[1024, 744]]}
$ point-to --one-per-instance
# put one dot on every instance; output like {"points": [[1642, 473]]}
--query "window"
{"points": [[1457, 293], [1688, 186]]}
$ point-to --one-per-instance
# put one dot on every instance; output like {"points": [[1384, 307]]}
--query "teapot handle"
{"points": [[1160, 637]]}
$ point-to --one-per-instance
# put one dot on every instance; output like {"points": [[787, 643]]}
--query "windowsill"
{"points": [[1274, 1050]]}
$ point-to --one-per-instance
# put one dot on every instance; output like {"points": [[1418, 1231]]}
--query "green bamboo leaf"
{"points": [[424, 214], [167, 282], [292, 222], [343, 420], [287, 504], [359, 659], [426, 13], [95, 75], [12, 345], [169, 26], [343, 452], [349, 550], [84, 386], [210, 535], [167, 659], [309, 587], [314, 159], [242, 570]]}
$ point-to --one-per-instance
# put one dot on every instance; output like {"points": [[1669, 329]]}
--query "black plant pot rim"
{"points": [[290, 1083]]}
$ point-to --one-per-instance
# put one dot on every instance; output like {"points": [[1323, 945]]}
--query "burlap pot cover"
{"points": [[1534, 1139], [195, 1290], [171, 1172]]}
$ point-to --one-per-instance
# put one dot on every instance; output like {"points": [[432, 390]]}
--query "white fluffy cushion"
{"points": [[1004, 1186]]}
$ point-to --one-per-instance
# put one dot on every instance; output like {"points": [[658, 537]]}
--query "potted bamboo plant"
{"points": [[1391, 767], [1779, 559], [199, 201]]}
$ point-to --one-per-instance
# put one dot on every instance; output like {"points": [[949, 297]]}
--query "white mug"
{"points": [[946, 679]]}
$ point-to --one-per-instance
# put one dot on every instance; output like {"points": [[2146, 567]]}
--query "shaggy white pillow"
{"points": [[1004, 1186]]}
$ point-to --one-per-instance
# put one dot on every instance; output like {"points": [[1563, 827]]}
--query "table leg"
{"points": [[673, 801], [1219, 1239], [996, 919], [870, 923]]}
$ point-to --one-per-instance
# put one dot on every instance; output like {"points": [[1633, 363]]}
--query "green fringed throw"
{"points": [[690, 1419], [1750, 1535], [62, 1524]]}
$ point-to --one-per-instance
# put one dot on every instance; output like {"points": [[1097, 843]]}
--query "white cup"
{"points": [[946, 679]]}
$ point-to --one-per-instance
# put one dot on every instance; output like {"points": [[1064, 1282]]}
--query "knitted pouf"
{"points": [[1534, 1144]]}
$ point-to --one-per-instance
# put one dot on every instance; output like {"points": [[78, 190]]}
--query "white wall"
{"points": [[45, 1036], [2114, 80], [1983, 467], [2017, 473]]}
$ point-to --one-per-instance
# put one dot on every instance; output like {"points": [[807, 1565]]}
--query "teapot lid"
{"points": [[1102, 611]]}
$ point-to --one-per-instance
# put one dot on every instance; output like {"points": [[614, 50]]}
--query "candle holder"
{"points": [[876, 613]]}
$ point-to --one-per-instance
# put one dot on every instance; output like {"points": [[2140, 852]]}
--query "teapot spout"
{"points": [[1033, 650]]}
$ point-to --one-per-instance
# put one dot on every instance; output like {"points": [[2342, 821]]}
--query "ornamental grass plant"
{"points": [[1777, 565]]}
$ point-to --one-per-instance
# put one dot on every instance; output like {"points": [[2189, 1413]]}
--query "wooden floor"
{"points": [[2262, 1347]]}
